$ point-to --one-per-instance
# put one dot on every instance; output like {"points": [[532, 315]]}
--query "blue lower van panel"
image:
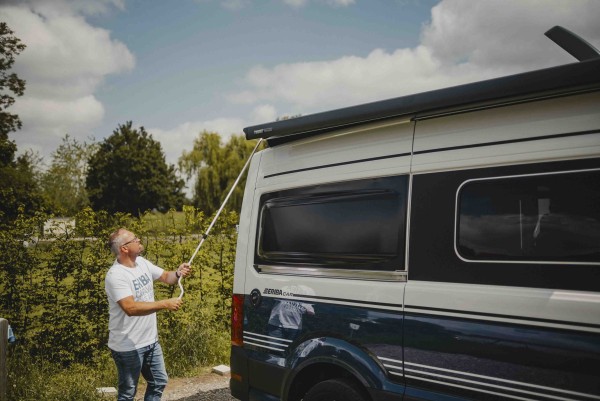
{"points": [[473, 359]]}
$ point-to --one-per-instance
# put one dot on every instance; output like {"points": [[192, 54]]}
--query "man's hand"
{"points": [[184, 269], [172, 277], [172, 304]]}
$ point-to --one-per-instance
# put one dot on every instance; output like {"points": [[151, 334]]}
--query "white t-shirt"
{"points": [[127, 333], [288, 314]]}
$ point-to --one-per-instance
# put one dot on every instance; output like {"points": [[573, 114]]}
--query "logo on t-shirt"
{"points": [[143, 288]]}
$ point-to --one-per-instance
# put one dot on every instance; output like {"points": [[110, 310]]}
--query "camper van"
{"points": [[438, 246]]}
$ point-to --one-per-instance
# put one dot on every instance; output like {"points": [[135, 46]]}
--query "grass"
{"points": [[161, 223], [32, 379]]}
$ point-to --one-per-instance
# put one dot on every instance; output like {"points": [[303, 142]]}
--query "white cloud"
{"points": [[234, 5], [176, 140], [65, 61], [65, 46], [507, 35], [264, 112], [295, 3], [62, 7], [465, 41], [340, 3], [347, 80], [334, 3], [40, 113], [46, 121]]}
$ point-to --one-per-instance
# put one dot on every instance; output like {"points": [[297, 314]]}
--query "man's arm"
{"points": [[133, 308], [171, 277]]}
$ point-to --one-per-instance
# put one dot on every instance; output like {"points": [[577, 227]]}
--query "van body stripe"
{"points": [[525, 320], [371, 159], [435, 150]]}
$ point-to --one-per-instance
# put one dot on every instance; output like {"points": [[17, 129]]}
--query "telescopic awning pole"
{"points": [[219, 212]]}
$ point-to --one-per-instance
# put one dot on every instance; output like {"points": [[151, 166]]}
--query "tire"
{"points": [[334, 390]]}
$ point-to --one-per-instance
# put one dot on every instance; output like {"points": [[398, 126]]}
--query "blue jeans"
{"points": [[282, 332], [150, 363]]}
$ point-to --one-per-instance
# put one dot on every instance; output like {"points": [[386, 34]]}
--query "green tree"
{"points": [[128, 173], [18, 188], [63, 184], [215, 168], [10, 47]]}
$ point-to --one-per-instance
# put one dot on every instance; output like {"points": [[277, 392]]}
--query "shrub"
{"points": [[52, 293]]}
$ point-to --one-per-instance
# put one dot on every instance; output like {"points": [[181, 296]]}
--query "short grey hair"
{"points": [[115, 240]]}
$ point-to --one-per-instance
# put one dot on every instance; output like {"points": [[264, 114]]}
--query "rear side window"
{"points": [[539, 218], [350, 225]]}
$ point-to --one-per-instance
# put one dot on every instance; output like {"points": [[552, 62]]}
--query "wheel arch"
{"points": [[326, 358]]}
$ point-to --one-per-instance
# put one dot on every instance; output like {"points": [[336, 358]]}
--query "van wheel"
{"points": [[334, 390]]}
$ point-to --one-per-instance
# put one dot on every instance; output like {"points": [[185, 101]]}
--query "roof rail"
{"points": [[572, 43]]}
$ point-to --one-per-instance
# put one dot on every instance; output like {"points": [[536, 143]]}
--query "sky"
{"points": [[183, 66]]}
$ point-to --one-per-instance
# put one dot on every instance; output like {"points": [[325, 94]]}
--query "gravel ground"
{"points": [[204, 387], [221, 394]]}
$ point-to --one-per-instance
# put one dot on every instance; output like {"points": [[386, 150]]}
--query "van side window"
{"points": [[350, 225], [539, 218]]}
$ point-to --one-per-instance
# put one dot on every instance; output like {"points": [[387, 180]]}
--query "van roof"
{"points": [[549, 82]]}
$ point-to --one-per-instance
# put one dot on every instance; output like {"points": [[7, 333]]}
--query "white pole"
{"points": [[219, 212]]}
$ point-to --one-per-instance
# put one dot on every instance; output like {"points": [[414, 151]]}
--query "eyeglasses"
{"points": [[135, 239]]}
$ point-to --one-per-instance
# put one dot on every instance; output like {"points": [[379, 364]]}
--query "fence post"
{"points": [[3, 368]]}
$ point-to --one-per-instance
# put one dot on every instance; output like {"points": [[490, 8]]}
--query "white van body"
{"points": [[403, 250]]}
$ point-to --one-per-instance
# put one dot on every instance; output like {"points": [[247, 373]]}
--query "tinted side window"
{"points": [[352, 225], [545, 218]]}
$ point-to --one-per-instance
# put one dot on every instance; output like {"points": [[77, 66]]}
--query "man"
{"points": [[285, 320], [133, 334]]}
